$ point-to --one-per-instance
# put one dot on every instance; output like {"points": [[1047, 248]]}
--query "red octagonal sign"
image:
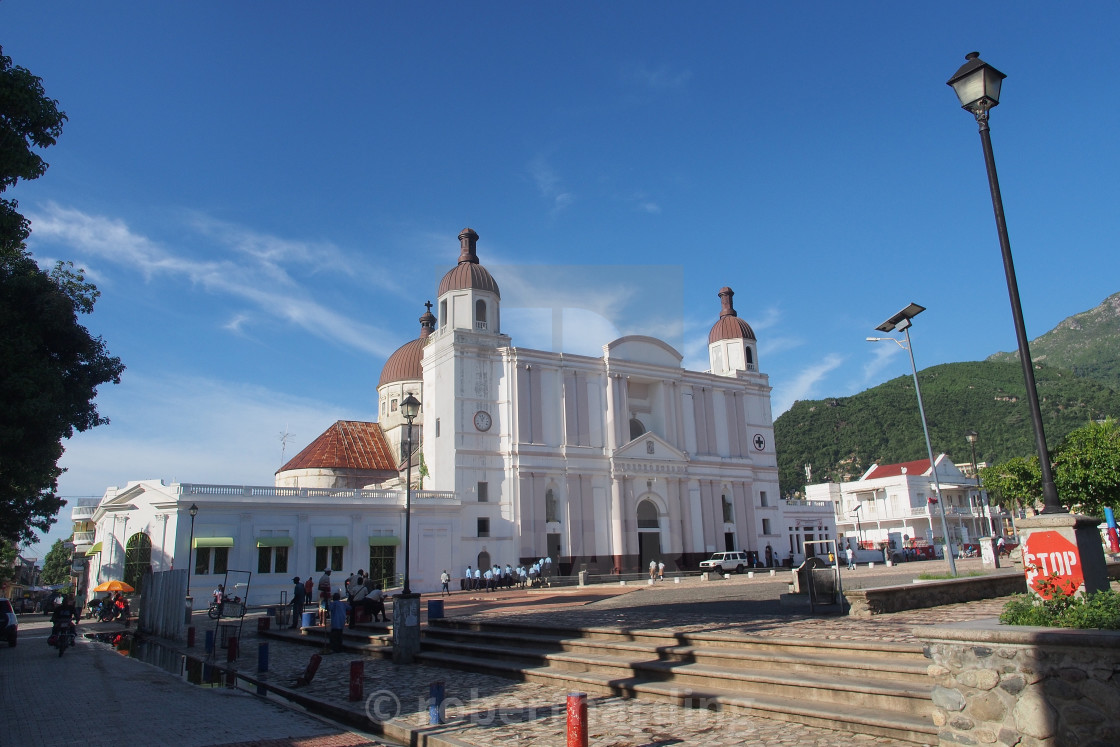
{"points": [[1052, 563]]}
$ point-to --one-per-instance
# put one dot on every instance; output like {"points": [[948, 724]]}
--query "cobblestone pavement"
{"points": [[93, 697], [488, 711]]}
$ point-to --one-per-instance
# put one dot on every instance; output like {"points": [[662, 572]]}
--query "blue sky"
{"points": [[266, 193]]}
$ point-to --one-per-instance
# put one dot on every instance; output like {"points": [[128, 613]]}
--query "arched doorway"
{"points": [[484, 563], [137, 559], [649, 533]]}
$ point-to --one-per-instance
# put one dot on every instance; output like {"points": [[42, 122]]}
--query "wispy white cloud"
{"points": [[549, 184], [882, 353], [260, 278], [190, 429], [803, 386]]}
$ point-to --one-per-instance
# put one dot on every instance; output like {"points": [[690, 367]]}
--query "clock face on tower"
{"points": [[482, 420]]}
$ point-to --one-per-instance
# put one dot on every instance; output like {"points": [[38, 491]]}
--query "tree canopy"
{"points": [[51, 366], [56, 566]]}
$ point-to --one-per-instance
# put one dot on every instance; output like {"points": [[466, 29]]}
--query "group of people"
{"points": [[113, 607], [362, 594], [656, 570], [504, 577]]}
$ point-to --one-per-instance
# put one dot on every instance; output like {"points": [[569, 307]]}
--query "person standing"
{"points": [[309, 589], [445, 580], [652, 569], [661, 571], [299, 598], [338, 609], [324, 595], [469, 580], [477, 579], [851, 557]]}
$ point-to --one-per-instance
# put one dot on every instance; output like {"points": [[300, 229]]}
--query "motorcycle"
{"points": [[228, 607], [67, 632]]}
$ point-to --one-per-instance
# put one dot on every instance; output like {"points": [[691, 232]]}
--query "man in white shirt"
{"points": [[445, 580]]}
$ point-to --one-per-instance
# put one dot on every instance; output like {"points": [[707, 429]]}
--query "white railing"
{"points": [[265, 491], [81, 512], [83, 538], [480, 326], [809, 504]]}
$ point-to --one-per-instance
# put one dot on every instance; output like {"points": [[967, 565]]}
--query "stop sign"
{"points": [[1048, 556]]}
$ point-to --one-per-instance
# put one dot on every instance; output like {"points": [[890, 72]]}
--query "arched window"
{"points": [[647, 515], [483, 561], [442, 313], [750, 356], [480, 314], [636, 428], [137, 559]]}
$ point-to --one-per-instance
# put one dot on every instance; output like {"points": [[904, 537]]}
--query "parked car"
{"points": [[9, 623], [726, 562]]}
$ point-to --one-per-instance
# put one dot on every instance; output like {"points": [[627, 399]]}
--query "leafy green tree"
{"points": [[1016, 483], [1087, 468], [51, 366], [7, 560], [56, 566]]}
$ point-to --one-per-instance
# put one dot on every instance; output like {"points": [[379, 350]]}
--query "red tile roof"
{"points": [[348, 444], [919, 467]]}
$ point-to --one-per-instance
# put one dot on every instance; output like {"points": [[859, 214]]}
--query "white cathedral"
{"points": [[600, 463]]}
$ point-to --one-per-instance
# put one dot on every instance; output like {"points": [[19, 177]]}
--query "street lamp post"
{"points": [[972, 437], [406, 611], [410, 407], [193, 511], [977, 85], [902, 322], [859, 527]]}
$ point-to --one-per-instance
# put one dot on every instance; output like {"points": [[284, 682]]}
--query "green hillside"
{"points": [[842, 437], [1087, 344]]}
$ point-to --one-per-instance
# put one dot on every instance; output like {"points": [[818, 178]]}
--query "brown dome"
{"points": [[404, 364], [468, 274], [729, 326]]}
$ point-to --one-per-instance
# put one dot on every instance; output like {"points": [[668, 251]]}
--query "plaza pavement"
{"points": [[94, 697], [483, 710]]}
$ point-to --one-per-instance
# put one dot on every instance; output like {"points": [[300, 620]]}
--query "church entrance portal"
{"points": [[649, 535]]}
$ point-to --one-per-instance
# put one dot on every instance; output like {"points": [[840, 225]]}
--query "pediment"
{"points": [[651, 447]]}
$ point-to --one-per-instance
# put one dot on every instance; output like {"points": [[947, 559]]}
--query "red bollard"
{"points": [[357, 669], [577, 719], [231, 652], [309, 673], [190, 637]]}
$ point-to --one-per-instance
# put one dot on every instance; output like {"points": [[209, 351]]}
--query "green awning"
{"points": [[94, 550], [384, 541], [274, 542], [213, 542], [331, 541]]}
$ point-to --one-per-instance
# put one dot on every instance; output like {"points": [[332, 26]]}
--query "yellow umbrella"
{"points": [[113, 586]]}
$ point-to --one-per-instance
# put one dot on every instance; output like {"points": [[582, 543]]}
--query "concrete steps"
{"points": [[869, 688]]}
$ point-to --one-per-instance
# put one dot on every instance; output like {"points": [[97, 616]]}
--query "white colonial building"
{"points": [[900, 500], [601, 463]]}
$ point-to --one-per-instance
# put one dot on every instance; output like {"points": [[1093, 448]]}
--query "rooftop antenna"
{"points": [[285, 436]]}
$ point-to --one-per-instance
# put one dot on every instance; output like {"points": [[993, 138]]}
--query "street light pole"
{"points": [[859, 527], [972, 437], [193, 511], [902, 321], [409, 407], [977, 85]]}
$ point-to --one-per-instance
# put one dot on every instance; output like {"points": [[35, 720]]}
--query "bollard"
{"points": [[750, 574], [262, 657], [357, 669], [190, 637], [622, 583], [231, 652], [577, 719], [677, 580], [435, 703], [773, 572], [870, 565], [309, 673], [209, 641]]}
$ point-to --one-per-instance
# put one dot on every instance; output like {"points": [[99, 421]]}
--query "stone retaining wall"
{"points": [[868, 602], [1008, 685]]}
